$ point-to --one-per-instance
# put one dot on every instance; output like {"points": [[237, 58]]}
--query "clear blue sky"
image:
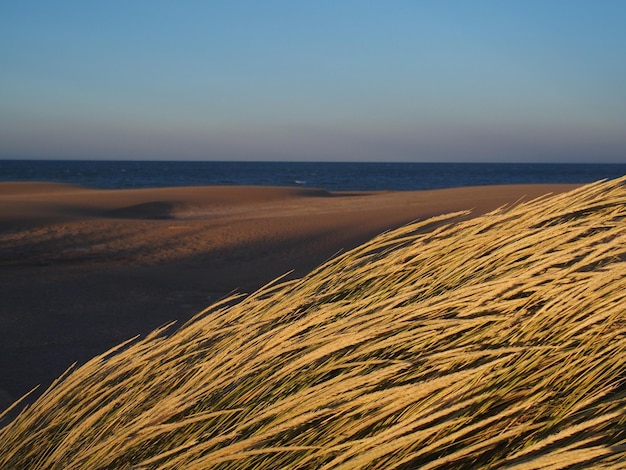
{"points": [[345, 80]]}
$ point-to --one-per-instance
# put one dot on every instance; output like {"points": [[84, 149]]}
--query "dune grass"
{"points": [[497, 342]]}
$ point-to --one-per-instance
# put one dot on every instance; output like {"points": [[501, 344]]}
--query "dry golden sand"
{"points": [[82, 269]]}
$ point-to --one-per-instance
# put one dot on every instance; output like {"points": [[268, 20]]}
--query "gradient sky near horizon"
{"points": [[344, 80]]}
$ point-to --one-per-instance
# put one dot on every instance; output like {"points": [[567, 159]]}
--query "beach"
{"points": [[82, 270]]}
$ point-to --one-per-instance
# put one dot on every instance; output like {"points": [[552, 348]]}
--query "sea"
{"points": [[324, 175]]}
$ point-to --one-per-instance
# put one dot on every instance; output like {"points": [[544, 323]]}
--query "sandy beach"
{"points": [[82, 270]]}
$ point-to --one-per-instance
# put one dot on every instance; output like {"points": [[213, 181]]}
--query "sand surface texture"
{"points": [[82, 270]]}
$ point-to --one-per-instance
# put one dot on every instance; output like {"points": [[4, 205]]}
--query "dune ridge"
{"points": [[494, 342]]}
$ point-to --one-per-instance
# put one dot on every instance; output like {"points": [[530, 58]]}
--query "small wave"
{"points": [[299, 181]]}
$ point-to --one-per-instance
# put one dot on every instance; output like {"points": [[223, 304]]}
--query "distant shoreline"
{"points": [[331, 176]]}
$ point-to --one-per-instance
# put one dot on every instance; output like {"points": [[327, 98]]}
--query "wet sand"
{"points": [[82, 270]]}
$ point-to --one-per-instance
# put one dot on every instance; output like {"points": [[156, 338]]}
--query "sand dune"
{"points": [[83, 269], [494, 342]]}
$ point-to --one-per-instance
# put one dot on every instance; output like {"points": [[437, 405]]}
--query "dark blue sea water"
{"points": [[330, 176]]}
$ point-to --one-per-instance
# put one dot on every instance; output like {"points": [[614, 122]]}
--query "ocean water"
{"points": [[329, 176]]}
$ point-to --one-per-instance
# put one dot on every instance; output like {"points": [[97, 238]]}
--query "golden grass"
{"points": [[497, 342]]}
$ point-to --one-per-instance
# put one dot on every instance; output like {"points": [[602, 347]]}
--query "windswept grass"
{"points": [[497, 342]]}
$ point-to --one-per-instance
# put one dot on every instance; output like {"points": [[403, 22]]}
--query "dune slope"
{"points": [[496, 342]]}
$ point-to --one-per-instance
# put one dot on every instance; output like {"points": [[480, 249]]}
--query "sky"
{"points": [[340, 80]]}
